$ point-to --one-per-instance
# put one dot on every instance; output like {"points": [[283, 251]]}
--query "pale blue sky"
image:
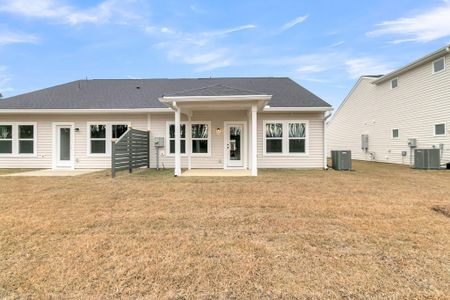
{"points": [[323, 45]]}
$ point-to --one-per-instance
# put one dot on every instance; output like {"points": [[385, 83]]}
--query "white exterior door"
{"points": [[234, 144], [64, 140]]}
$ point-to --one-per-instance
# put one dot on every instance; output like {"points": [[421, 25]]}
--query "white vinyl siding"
{"points": [[157, 123], [422, 102], [44, 138]]}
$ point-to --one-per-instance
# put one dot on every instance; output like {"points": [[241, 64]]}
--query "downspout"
{"points": [[325, 151]]}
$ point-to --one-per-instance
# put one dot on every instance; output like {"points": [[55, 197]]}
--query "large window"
{"points": [[118, 130], [172, 138], [26, 139], [297, 137], [439, 129], [274, 137], [285, 138], [200, 136], [98, 139], [18, 139], [6, 142], [195, 138], [101, 134]]}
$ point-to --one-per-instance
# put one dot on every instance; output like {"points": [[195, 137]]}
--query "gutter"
{"points": [[325, 150]]}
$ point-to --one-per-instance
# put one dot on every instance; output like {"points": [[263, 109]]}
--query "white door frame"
{"points": [[244, 144], [55, 145]]}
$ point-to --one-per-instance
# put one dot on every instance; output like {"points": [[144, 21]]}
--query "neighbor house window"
{"points": [[395, 133], [98, 139], [6, 138], [285, 138], [200, 138], [439, 129], [118, 130], [274, 137], [394, 83], [297, 137], [172, 138], [26, 139], [439, 65]]}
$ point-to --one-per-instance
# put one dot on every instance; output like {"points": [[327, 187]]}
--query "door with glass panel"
{"points": [[234, 145], [64, 146]]}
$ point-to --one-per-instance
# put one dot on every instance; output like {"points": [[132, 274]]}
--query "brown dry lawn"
{"points": [[285, 234]]}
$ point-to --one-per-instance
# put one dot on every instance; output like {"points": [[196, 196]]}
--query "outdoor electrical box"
{"points": [[427, 159], [159, 142], [365, 142], [341, 160], [412, 143]]}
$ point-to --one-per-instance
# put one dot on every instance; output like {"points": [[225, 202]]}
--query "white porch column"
{"points": [[254, 167], [177, 141], [189, 143]]}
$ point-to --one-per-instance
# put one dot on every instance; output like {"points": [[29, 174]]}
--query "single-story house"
{"points": [[397, 112], [242, 123]]}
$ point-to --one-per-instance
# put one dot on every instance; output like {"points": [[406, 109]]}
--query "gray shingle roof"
{"points": [[145, 93], [215, 90]]}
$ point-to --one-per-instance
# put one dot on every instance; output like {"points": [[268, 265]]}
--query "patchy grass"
{"points": [[287, 233]]}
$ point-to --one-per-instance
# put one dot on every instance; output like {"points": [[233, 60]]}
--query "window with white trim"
{"points": [[97, 138], [285, 138], [297, 137], [200, 138], [26, 139], [117, 130], [395, 134], [274, 137], [439, 129], [171, 138], [439, 65], [101, 135], [18, 139], [6, 139], [394, 83]]}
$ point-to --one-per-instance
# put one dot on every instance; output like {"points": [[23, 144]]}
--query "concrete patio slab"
{"points": [[216, 173], [50, 173]]}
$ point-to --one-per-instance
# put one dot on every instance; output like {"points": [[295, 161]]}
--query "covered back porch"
{"points": [[228, 129]]}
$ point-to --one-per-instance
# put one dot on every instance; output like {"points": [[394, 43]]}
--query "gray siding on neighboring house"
{"points": [[421, 100]]}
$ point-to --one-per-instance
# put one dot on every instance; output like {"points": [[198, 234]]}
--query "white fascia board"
{"points": [[85, 111], [297, 109], [167, 99]]}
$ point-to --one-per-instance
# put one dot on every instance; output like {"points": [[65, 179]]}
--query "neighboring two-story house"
{"points": [[412, 102]]}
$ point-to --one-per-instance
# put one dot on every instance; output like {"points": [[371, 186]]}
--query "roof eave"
{"points": [[430, 57], [84, 111], [298, 109]]}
